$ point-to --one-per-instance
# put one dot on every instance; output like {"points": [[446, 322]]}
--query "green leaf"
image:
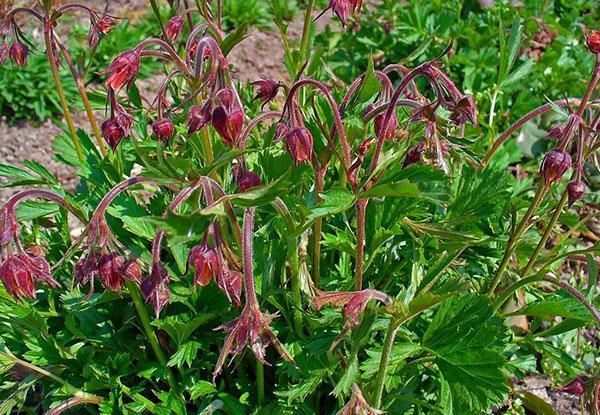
{"points": [[560, 304], [519, 73], [400, 352], [468, 341], [403, 188], [535, 404], [508, 52], [30, 210], [201, 388], [369, 86], [11, 172], [185, 354], [233, 38], [334, 201], [348, 378], [43, 172]]}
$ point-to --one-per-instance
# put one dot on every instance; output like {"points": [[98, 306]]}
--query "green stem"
{"points": [[514, 287], [260, 382], [91, 117], [61, 95], [296, 292], [546, 235], [306, 29], [150, 335], [361, 211], [512, 242], [390, 336]]}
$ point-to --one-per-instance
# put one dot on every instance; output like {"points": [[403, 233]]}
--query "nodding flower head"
{"points": [[9, 227], [228, 116], [391, 127], [18, 53], [112, 132], [576, 387], [413, 155], [155, 288], [204, 260], [99, 27], [353, 303], [113, 270], [267, 90], [105, 25], [198, 117], [123, 69], [17, 277], [465, 111], [555, 164], [343, 8], [248, 180], [593, 41], [163, 129], [358, 405], [575, 191], [299, 143], [174, 27]]}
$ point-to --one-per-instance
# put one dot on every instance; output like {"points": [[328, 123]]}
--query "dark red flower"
{"points": [[343, 8], [105, 25], [86, 269], [155, 288], [248, 180], [354, 303], [576, 387], [299, 143], [112, 132], [267, 90], [198, 117], [174, 27], [391, 130], [17, 277], [413, 155], [163, 129], [228, 116], [231, 283], [39, 266], [280, 132], [593, 41], [575, 191], [110, 271], [465, 111], [123, 69], [132, 271], [18, 53], [555, 164], [204, 260]]}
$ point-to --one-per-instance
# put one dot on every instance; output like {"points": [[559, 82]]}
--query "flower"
{"points": [[173, 27], [353, 303], [555, 164], [267, 90], [99, 27], [247, 180], [18, 53], [593, 41], [343, 8], [163, 129], [299, 143], [252, 329], [464, 110], [198, 117], [414, 154], [17, 277], [576, 387], [155, 288], [112, 132], [228, 116], [123, 69], [204, 260], [110, 271], [105, 25], [575, 191], [358, 405], [391, 127]]}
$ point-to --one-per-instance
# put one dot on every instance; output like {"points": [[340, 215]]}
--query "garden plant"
{"points": [[304, 245]]}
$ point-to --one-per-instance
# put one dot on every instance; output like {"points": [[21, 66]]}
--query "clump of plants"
{"points": [[299, 248]]}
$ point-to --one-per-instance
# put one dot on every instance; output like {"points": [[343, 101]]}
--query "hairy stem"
{"points": [[306, 29], [361, 211], [386, 352], [292, 244]]}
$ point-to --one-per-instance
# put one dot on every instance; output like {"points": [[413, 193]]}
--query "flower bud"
{"points": [[575, 190], [123, 69], [155, 288], [198, 117], [380, 127], [413, 155], [248, 180], [465, 111], [576, 387], [299, 143], [267, 90], [112, 132], [593, 41], [555, 164], [173, 27], [228, 116], [17, 278], [163, 129], [18, 53]]}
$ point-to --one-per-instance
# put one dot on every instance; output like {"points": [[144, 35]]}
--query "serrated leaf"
{"points": [[186, 353], [201, 388], [334, 201], [397, 189]]}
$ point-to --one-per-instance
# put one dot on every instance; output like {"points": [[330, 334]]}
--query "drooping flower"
{"points": [[228, 116], [267, 90], [17, 277], [248, 180], [18, 53], [358, 405], [380, 127], [204, 260], [575, 191], [576, 387], [413, 155], [100, 27], [163, 129], [593, 41], [344, 8], [299, 143], [112, 132], [555, 164], [465, 111], [110, 271], [155, 288], [123, 69], [198, 117], [354, 304], [174, 27]]}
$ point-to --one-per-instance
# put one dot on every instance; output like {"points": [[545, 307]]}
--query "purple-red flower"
{"points": [[123, 69], [112, 132], [17, 277], [18, 53], [174, 27], [155, 288], [228, 116], [99, 27], [380, 127], [204, 260], [358, 405], [353, 303], [110, 271], [4, 52], [247, 180], [575, 191], [465, 111], [267, 90], [198, 117], [576, 387], [111, 268], [413, 155], [344, 8], [299, 143], [163, 129], [555, 164], [593, 41]]}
